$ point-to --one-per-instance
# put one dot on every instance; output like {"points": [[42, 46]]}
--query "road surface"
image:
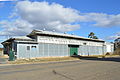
{"points": [[84, 69]]}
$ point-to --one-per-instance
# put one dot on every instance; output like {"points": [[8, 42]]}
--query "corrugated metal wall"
{"points": [[23, 52], [51, 50], [91, 50], [47, 50], [42, 50]]}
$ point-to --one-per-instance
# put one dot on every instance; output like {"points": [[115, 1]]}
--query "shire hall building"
{"points": [[41, 43]]}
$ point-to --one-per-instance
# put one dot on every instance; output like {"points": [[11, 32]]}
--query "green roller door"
{"points": [[73, 51]]}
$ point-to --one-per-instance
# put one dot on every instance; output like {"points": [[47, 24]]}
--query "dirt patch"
{"points": [[55, 59], [40, 60], [4, 56]]}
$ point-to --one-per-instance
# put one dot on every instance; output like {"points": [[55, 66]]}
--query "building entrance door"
{"points": [[73, 49]]}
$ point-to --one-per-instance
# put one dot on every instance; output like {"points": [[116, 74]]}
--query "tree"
{"points": [[95, 37], [92, 35], [117, 46], [117, 43]]}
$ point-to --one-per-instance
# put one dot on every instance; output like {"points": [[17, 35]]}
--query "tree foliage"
{"points": [[92, 35]]}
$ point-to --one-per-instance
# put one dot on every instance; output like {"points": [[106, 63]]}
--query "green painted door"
{"points": [[73, 51]]}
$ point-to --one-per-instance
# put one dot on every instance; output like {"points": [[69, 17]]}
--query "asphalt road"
{"points": [[85, 69]]}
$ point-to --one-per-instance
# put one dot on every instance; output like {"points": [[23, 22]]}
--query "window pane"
{"points": [[28, 47]]}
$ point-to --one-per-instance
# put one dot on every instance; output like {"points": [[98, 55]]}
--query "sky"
{"points": [[78, 17]]}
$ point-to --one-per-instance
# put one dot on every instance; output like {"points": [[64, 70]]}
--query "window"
{"points": [[28, 47], [33, 46]]}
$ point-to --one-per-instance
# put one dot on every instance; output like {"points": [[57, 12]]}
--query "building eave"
{"points": [[18, 39]]}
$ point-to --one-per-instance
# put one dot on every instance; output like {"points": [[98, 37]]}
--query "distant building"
{"points": [[52, 44], [1, 51], [109, 47]]}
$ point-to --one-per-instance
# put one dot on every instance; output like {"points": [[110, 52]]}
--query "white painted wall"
{"points": [[109, 47], [1, 52], [47, 39]]}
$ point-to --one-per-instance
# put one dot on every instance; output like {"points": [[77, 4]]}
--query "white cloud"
{"points": [[118, 33], [53, 13], [39, 15], [1, 4], [17, 27], [53, 16], [8, 0], [113, 37], [102, 19]]}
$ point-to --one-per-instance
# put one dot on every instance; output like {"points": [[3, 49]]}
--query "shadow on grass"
{"points": [[115, 59]]}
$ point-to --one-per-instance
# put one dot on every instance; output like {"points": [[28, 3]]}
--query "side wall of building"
{"points": [[86, 50], [41, 50], [54, 50], [49, 46], [27, 51], [110, 47]]}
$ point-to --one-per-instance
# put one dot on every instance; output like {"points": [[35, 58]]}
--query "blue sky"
{"points": [[108, 10]]}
